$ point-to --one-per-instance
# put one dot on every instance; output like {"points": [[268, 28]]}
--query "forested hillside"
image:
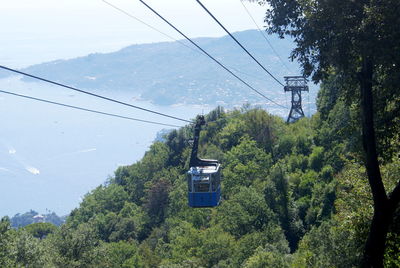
{"points": [[294, 195]]}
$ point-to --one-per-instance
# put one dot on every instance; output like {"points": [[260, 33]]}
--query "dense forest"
{"points": [[294, 195], [321, 192]]}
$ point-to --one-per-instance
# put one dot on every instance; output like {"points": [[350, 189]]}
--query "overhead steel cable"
{"points": [[169, 36], [92, 94], [265, 37], [214, 59], [222, 26], [148, 25], [85, 109]]}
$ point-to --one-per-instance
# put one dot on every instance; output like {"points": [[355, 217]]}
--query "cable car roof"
{"points": [[204, 170]]}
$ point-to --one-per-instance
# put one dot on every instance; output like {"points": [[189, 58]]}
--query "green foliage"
{"points": [[6, 238], [134, 178], [327, 246], [350, 45], [338, 124], [121, 254], [286, 203], [280, 199], [355, 209], [264, 259], [316, 159], [176, 142], [271, 238], [284, 146], [262, 128], [244, 212], [206, 247], [245, 164], [76, 247], [28, 250], [41, 229], [231, 134], [20, 248], [104, 198], [157, 201]]}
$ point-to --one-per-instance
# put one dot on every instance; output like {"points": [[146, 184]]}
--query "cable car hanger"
{"points": [[195, 161]]}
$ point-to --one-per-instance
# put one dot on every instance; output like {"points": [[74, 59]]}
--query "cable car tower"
{"points": [[204, 175], [295, 84]]}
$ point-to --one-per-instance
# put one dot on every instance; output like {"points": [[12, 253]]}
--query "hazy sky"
{"points": [[42, 30]]}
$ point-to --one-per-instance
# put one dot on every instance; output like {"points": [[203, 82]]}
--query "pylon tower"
{"points": [[295, 84]]}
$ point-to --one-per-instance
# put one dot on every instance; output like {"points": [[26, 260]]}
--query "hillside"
{"points": [[170, 73], [290, 198]]}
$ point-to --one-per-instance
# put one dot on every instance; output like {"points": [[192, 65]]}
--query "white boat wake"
{"points": [[33, 170]]}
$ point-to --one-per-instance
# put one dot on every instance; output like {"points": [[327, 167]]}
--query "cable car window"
{"points": [[204, 179], [189, 180], [213, 185], [215, 181], [201, 183], [201, 187]]}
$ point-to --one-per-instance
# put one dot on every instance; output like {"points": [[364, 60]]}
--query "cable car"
{"points": [[203, 176]]}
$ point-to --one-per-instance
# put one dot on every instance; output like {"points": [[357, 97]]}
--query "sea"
{"points": [[51, 156]]}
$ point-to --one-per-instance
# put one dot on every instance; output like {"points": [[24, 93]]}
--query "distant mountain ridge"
{"points": [[169, 73], [22, 220]]}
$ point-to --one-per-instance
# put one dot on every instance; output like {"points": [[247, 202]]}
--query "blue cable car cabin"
{"points": [[204, 189], [204, 186]]}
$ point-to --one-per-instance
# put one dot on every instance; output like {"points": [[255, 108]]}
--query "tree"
{"points": [[271, 239], [354, 207], [245, 163], [265, 259], [280, 200], [75, 247], [28, 251], [206, 248], [121, 254], [6, 238], [157, 201], [262, 128], [327, 245], [245, 212], [41, 229], [104, 198], [360, 40]]}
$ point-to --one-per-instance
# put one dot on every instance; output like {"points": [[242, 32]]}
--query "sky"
{"points": [[44, 30]]}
